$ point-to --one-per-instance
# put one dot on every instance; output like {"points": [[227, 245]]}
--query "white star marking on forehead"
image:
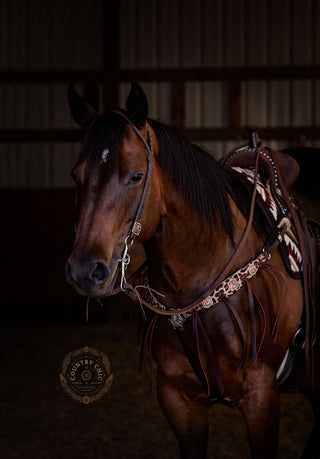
{"points": [[104, 155]]}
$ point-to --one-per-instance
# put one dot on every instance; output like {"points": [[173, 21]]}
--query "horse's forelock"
{"points": [[106, 134]]}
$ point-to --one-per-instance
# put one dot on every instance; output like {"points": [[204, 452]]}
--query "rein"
{"points": [[228, 287], [224, 283], [131, 291]]}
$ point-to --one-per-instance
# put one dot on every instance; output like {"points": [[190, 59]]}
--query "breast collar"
{"points": [[225, 289]]}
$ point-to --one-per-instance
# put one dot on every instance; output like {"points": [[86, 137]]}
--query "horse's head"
{"points": [[112, 177]]}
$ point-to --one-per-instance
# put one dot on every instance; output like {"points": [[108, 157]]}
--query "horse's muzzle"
{"points": [[89, 278]]}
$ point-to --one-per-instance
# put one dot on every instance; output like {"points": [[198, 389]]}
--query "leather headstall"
{"points": [[136, 226]]}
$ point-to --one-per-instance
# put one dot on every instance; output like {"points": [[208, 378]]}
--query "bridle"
{"points": [[136, 226], [176, 315], [136, 229]]}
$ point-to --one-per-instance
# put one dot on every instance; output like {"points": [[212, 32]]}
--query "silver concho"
{"points": [[177, 321]]}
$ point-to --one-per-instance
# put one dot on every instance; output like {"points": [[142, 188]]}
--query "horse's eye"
{"points": [[136, 178]]}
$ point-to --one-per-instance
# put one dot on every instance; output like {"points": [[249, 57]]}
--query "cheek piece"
{"points": [[136, 227]]}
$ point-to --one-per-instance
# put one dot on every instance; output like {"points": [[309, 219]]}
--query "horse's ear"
{"points": [[82, 112], [137, 105]]}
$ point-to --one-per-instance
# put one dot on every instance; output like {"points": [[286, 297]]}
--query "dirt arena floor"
{"points": [[42, 320], [39, 420]]}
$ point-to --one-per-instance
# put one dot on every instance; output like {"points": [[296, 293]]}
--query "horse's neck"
{"points": [[185, 256]]}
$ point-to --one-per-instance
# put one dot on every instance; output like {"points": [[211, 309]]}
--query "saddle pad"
{"points": [[272, 205]]}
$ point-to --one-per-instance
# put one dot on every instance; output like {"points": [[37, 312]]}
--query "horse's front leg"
{"points": [[188, 419], [260, 406]]}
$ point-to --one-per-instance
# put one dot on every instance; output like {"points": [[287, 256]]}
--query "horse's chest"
{"points": [[186, 363]]}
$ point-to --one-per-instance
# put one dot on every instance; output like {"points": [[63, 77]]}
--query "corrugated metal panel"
{"points": [[43, 34], [169, 33], [213, 33], [127, 38], [278, 104], [191, 43], [37, 164], [153, 33], [235, 31], [255, 94], [302, 32], [279, 32], [301, 103], [50, 34], [256, 31]]}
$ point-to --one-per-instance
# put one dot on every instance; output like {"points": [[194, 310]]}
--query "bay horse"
{"points": [[212, 269]]}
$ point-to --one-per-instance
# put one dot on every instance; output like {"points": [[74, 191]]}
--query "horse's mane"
{"points": [[204, 182]]}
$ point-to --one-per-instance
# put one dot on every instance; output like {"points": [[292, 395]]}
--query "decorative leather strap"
{"points": [[225, 289], [136, 226], [309, 307]]}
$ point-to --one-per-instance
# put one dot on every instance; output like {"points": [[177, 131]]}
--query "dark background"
{"points": [[42, 319]]}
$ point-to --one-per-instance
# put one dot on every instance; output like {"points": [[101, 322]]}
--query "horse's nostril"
{"points": [[100, 272]]}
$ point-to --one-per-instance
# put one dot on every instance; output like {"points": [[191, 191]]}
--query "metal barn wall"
{"points": [[42, 34], [57, 34], [227, 33]]}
